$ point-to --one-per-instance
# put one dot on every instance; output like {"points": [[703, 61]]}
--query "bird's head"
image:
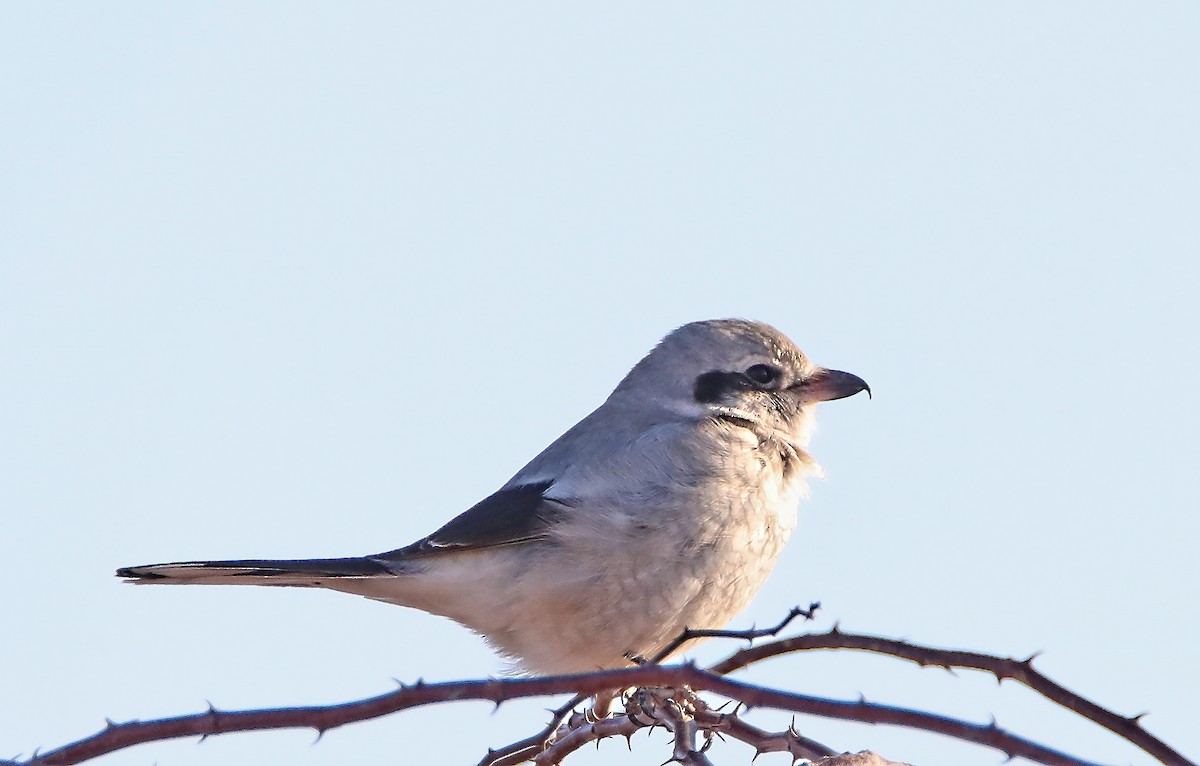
{"points": [[737, 369]]}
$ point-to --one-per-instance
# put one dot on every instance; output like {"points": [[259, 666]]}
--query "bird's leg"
{"points": [[602, 704]]}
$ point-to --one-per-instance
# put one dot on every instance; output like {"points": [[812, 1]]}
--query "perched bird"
{"points": [[664, 509]]}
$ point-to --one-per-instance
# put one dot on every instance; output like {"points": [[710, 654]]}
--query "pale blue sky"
{"points": [[297, 279]]}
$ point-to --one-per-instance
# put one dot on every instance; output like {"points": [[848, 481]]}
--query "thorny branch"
{"points": [[525, 749], [1021, 671], [666, 700], [691, 634]]}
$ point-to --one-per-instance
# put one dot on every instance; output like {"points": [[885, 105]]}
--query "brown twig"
{"points": [[790, 741], [683, 726], [526, 749], [866, 712], [1021, 671], [582, 731], [685, 715], [691, 634], [323, 718]]}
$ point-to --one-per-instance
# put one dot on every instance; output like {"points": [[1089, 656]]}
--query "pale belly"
{"points": [[606, 592], [612, 583]]}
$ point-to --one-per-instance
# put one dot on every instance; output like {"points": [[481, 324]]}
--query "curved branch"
{"points": [[1021, 671], [867, 712], [582, 729], [581, 733], [117, 736], [791, 741], [691, 634], [526, 749]]}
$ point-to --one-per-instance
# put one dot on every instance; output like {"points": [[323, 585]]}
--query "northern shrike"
{"points": [[664, 509]]}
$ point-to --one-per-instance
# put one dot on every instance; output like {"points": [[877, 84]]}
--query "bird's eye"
{"points": [[762, 374]]}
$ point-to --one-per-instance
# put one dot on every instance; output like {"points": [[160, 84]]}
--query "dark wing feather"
{"points": [[510, 516], [515, 515]]}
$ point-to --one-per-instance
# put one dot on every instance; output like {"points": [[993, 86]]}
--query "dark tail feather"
{"points": [[255, 571]]}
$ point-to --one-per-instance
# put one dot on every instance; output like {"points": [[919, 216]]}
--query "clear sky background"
{"points": [[308, 279]]}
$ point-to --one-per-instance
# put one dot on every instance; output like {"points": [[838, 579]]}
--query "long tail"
{"points": [[299, 572]]}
